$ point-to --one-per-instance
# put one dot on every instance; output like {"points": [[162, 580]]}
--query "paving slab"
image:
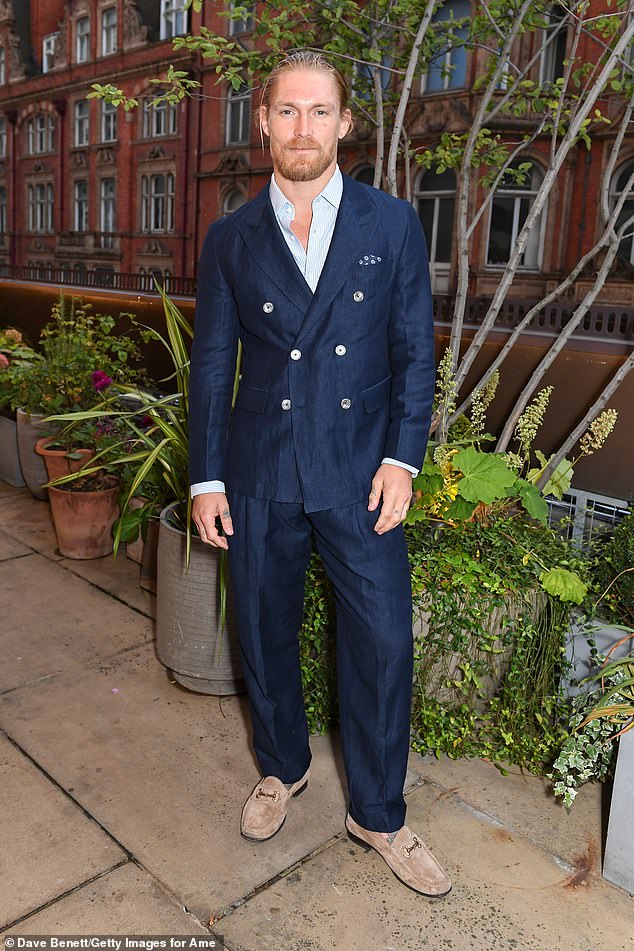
{"points": [[117, 576], [52, 620], [124, 901], [10, 548], [48, 844], [509, 895], [525, 804], [29, 520], [167, 771]]}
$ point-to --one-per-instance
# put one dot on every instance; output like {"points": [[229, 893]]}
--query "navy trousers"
{"points": [[268, 557]]}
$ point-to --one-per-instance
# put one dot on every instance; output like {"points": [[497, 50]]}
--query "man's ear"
{"points": [[264, 120], [345, 123]]}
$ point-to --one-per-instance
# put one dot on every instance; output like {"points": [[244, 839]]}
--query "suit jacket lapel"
{"points": [[356, 221], [266, 243]]}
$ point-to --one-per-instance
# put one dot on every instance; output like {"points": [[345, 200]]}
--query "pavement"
{"points": [[121, 797]]}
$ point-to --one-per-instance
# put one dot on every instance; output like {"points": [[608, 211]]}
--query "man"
{"points": [[325, 282]]}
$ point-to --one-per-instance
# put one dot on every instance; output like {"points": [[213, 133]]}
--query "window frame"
{"points": [[80, 205], [153, 114], [82, 39], [624, 170], [3, 64], [238, 27], [3, 137], [40, 207], [446, 68], [108, 122], [81, 123], [173, 19], [236, 99], [436, 195], [157, 204], [109, 31], [49, 42], [518, 192], [107, 209]]}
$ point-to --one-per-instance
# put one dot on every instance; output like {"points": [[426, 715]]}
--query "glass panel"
{"points": [[444, 230], [530, 257], [431, 182], [501, 232], [426, 215]]}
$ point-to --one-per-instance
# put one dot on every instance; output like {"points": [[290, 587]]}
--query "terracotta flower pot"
{"points": [[60, 462], [30, 428], [83, 521]]}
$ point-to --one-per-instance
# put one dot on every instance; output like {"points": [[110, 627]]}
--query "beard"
{"points": [[302, 168]]}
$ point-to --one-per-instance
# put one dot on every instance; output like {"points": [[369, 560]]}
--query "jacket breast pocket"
{"points": [[251, 399], [377, 395]]}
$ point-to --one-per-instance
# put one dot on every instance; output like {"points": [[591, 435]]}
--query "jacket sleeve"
{"points": [[411, 349], [213, 363]]}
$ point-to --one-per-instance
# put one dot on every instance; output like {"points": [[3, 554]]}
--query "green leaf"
{"points": [[460, 510], [486, 476], [563, 584], [532, 500]]}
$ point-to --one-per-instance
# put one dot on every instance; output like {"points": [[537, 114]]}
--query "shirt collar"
{"points": [[331, 192]]}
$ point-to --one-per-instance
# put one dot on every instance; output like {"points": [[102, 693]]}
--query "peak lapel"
{"points": [[262, 235], [356, 220]]}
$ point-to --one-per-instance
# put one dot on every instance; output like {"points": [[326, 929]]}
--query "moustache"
{"points": [[303, 144]]}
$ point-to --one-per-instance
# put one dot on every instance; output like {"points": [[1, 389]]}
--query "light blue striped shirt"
{"points": [[310, 261]]}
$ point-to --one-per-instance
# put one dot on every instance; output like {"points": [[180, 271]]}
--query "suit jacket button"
{"points": [[296, 354], [268, 307], [340, 350], [358, 296], [286, 404], [346, 404]]}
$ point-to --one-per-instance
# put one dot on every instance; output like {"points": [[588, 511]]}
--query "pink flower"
{"points": [[100, 380], [4, 362]]}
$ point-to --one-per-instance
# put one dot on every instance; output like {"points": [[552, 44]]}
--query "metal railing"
{"points": [[100, 277]]}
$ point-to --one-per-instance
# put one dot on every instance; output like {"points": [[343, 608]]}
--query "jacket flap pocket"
{"points": [[251, 399], [376, 395]]}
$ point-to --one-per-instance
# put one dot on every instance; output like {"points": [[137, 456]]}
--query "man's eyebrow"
{"points": [[313, 105]]}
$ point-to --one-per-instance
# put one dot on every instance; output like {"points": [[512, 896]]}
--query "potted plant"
{"points": [[195, 627], [14, 355], [79, 353]]}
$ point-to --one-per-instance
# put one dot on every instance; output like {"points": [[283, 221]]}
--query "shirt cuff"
{"points": [[199, 488], [401, 465]]}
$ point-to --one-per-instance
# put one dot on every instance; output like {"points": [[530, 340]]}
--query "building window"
{"points": [[40, 134], [363, 174], [109, 31], [3, 65], [448, 67], [157, 203], [82, 123], [241, 20], [82, 39], [3, 211], [232, 201], [435, 199], [48, 51], [238, 119], [107, 210], [553, 42], [619, 181], [108, 122], [80, 205], [159, 118], [173, 18], [40, 207], [3, 137], [509, 210]]}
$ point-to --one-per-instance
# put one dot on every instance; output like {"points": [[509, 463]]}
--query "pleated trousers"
{"points": [[268, 558]]}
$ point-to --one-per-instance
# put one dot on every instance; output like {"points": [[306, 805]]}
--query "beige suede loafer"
{"points": [[408, 857], [265, 810]]}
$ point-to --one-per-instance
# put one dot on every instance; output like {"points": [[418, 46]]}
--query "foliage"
{"points": [[614, 572], [81, 354], [152, 452], [482, 687], [16, 358], [597, 719]]}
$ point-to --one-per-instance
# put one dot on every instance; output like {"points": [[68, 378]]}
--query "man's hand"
{"points": [[205, 509], [395, 485]]}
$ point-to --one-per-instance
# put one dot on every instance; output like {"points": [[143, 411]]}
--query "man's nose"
{"points": [[303, 125]]}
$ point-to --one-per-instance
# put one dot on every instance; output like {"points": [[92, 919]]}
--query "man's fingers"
{"points": [[375, 495], [210, 511], [393, 511]]}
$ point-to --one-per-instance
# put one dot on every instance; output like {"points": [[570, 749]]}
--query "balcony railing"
{"points": [[100, 277]]}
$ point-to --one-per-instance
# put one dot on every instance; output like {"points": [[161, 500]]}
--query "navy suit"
{"points": [[331, 384]]}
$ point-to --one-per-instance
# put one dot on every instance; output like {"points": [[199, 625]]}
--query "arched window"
{"points": [[238, 117], [363, 174], [435, 197], [233, 200], [448, 66], [619, 181], [509, 209]]}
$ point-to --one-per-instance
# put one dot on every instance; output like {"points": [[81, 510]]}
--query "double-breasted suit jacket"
{"points": [[331, 382]]}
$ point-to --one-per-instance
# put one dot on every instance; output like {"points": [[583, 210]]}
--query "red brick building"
{"points": [[87, 186]]}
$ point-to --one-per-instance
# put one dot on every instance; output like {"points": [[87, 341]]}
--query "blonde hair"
{"points": [[303, 59]]}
